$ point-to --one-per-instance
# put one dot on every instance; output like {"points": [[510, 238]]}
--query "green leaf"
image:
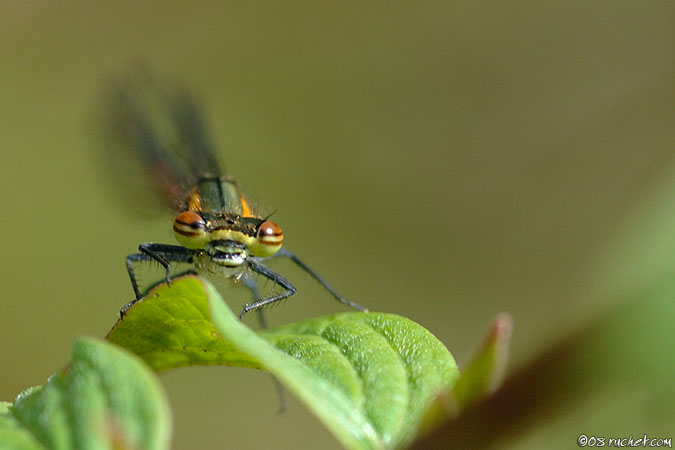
{"points": [[619, 361], [171, 327], [368, 377], [485, 371], [480, 377], [12, 435], [105, 398]]}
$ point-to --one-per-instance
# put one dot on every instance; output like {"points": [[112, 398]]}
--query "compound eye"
{"points": [[269, 233], [189, 224]]}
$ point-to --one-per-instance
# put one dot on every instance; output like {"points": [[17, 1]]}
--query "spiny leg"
{"points": [[173, 277], [272, 275], [131, 259], [166, 254], [252, 285], [162, 253], [288, 254]]}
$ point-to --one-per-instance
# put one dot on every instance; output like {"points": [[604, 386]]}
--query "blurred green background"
{"points": [[440, 160]]}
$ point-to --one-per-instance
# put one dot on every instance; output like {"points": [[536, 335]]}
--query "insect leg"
{"points": [[290, 255], [272, 275], [162, 253], [130, 270], [252, 285], [166, 254]]}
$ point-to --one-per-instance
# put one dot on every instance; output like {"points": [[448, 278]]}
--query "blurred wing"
{"points": [[155, 139], [195, 141]]}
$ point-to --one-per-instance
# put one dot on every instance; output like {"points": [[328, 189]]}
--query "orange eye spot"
{"points": [[269, 233], [189, 223]]}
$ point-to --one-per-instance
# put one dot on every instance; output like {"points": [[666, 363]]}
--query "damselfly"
{"points": [[217, 229]]}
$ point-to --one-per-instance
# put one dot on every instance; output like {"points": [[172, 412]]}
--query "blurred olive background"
{"points": [[440, 160]]}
